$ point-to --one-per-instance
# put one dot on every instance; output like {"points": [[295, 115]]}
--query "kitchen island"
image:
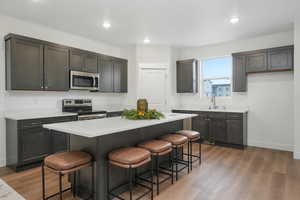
{"points": [[100, 136]]}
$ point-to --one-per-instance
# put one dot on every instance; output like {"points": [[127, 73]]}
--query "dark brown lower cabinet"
{"points": [[201, 124], [28, 143], [35, 144], [60, 141], [234, 130], [221, 128], [218, 130]]}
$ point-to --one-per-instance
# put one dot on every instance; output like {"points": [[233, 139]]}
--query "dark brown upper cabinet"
{"points": [[38, 65], [281, 58], [113, 74], [105, 69], [83, 61], [265, 60], [257, 61], [239, 76], [24, 64], [187, 76], [35, 65], [56, 68], [120, 75]]}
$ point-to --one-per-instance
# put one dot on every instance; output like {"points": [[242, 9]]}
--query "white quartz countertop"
{"points": [[229, 110], [105, 126], [35, 115]]}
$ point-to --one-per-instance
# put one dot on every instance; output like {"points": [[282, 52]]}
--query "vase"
{"points": [[142, 105]]}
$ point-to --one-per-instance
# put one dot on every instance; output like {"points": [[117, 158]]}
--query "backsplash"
{"points": [[18, 101]]}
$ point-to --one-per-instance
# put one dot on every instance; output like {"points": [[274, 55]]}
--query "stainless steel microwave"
{"points": [[84, 81]]}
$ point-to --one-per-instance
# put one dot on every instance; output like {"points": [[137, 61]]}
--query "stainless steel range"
{"points": [[84, 109]]}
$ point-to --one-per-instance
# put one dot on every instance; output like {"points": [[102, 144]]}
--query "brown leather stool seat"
{"points": [[191, 135], [157, 147], [131, 157], [175, 139], [67, 162]]}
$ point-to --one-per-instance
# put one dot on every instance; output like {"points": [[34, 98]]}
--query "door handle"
{"points": [[94, 81]]}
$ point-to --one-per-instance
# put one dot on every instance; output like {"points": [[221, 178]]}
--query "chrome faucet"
{"points": [[213, 104]]}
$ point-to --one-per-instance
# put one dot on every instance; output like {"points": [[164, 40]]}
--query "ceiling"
{"points": [[173, 22]]}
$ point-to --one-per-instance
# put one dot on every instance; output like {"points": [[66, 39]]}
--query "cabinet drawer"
{"points": [[234, 116], [60, 119], [201, 115], [114, 114], [30, 123], [217, 115], [33, 123]]}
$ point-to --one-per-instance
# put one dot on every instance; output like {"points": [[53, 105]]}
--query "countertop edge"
{"points": [[59, 126], [37, 116], [208, 110]]}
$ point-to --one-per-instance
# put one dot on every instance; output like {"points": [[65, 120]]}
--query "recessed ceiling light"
{"points": [[35, 1], [147, 40], [106, 25], [234, 20]]}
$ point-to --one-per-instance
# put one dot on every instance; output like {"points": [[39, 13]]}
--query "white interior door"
{"points": [[152, 86]]}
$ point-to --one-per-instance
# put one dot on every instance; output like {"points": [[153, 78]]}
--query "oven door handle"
{"points": [[94, 81]]}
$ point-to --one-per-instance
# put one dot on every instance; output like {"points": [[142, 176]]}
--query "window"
{"points": [[216, 76]]}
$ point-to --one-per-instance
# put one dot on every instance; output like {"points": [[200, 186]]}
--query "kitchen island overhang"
{"points": [[100, 136]]}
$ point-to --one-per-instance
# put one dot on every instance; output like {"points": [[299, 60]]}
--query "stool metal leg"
{"points": [[93, 181], [157, 175], [176, 164], [43, 181], [200, 153], [135, 175], [74, 184], [60, 186], [152, 178], [171, 165], [130, 182], [107, 180], [190, 155]]}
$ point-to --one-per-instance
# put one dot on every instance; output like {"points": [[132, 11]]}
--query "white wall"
{"points": [[269, 97], [16, 101], [297, 89]]}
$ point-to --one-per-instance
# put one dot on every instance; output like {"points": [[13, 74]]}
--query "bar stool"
{"points": [[66, 163], [178, 141], [129, 158], [192, 136], [159, 148]]}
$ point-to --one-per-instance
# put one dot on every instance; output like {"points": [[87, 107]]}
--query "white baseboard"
{"points": [[297, 155], [283, 147]]}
